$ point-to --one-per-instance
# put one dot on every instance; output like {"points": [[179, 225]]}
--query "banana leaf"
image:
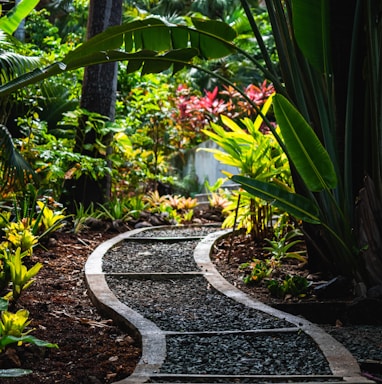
{"points": [[149, 44], [304, 148], [297, 205], [311, 29], [15, 16]]}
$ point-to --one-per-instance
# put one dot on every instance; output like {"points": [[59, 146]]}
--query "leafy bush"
{"points": [[296, 286]]}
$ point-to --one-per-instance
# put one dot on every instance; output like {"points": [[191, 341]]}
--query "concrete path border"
{"points": [[153, 342]]}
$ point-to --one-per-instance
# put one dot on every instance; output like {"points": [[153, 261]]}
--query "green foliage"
{"points": [[15, 277], [51, 220], [245, 211], [40, 31], [285, 239], [295, 286], [12, 20], [153, 137], [14, 170], [19, 235], [20, 276], [304, 149], [178, 209], [257, 155], [258, 270], [31, 212], [12, 330], [121, 209], [327, 101], [145, 38], [81, 216]]}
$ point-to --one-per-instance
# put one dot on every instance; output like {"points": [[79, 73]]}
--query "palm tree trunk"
{"points": [[98, 95]]}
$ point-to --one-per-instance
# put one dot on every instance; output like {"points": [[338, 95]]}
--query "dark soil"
{"points": [[91, 348]]}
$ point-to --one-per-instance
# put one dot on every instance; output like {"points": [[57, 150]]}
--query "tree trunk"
{"points": [[98, 95]]}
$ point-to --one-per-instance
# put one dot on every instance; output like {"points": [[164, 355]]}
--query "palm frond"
{"points": [[13, 64], [14, 169]]}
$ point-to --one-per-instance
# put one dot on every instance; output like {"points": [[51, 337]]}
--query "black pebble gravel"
{"points": [[363, 341], [188, 304], [279, 354], [150, 256], [190, 231]]}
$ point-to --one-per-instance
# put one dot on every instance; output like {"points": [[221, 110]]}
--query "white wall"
{"points": [[204, 164]]}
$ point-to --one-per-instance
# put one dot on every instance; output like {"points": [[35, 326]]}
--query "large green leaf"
{"points": [[15, 16], [9, 339], [150, 61], [212, 39], [304, 148], [311, 28], [177, 45], [298, 206], [206, 43]]}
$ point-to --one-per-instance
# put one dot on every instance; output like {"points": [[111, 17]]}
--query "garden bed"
{"points": [[91, 348]]}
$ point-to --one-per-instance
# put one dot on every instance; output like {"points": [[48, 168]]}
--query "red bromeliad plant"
{"points": [[195, 112], [239, 107]]}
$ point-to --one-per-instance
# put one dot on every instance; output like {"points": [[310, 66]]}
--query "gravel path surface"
{"points": [[178, 304], [144, 257], [247, 355], [363, 341], [189, 231], [188, 305]]}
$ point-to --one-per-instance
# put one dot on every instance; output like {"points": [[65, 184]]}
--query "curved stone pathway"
{"points": [[122, 284]]}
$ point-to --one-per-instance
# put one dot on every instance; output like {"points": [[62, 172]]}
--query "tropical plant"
{"points": [[13, 169], [81, 215], [19, 235], [257, 271], [295, 286], [12, 327], [256, 154], [326, 176], [20, 276], [284, 241], [318, 111]]}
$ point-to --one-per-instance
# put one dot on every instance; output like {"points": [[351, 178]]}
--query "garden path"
{"points": [[196, 327]]}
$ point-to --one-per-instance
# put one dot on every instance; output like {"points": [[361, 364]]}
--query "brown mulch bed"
{"points": [[91, 349]]}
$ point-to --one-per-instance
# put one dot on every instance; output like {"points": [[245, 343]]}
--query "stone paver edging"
{"points": [[341, 362]]}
